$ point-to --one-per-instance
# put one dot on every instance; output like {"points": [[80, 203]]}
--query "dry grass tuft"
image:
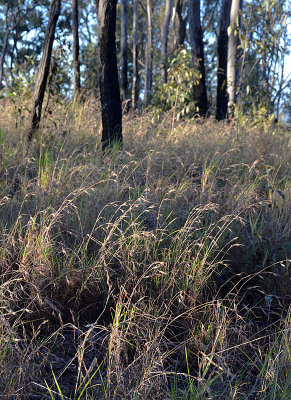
{"points": [[159, 271]]}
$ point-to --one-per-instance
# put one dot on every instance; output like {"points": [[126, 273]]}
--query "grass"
{"points": [[159, 271]]}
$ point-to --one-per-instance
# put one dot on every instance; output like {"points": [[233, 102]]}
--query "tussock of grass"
{"points": [[159, 271]]}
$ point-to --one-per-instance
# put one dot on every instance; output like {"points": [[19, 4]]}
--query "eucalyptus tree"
{"points": [[231, 56], [124, 48], [179, 24], [222, 48], [149, 55], [108, 75], [135, 77], [44, 67], [165, 35], [196, 41], [76, 48]]}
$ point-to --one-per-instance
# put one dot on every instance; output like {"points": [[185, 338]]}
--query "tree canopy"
{"points": [[261, 44]]}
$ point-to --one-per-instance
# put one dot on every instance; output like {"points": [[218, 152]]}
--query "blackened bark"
{"points": [[76, 48], [196, 41], [168, 12], [108, 75], [149, 48], [179, 25], [222, 46], [135, 79], [44, 67], [124, 48]]}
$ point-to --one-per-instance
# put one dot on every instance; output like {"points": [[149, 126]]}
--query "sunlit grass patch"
{"points": [[157, 271]]}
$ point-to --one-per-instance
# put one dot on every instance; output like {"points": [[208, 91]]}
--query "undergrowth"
{"points": [[158, 271]]}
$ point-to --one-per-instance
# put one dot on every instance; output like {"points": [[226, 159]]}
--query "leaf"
{"points": [[88, 382]]}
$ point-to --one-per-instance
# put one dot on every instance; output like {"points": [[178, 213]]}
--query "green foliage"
{"points": [[177, 93], [264, 42], [22, 80], [90, 75], [259, 116], [60, 80]]}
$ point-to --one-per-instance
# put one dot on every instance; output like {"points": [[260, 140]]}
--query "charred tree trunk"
{"points": [[44, 67], [196, 41], [231, 58], [108, 75], [135, 79], [124, 49], [76, 48], [222, 46], [179, 25], [168, 12], [149, 67]]}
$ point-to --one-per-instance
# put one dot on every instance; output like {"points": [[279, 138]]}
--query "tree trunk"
{"points": [[108, 75], [76, 48], [97, 7], [44, 67], [239, 60], [2, 57], [196, 41], [231, 57], [148, 78], [124, 48], [5, 44], [168, 12], [14, 48], [135, 79], [222, 45], [179, 25]]}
